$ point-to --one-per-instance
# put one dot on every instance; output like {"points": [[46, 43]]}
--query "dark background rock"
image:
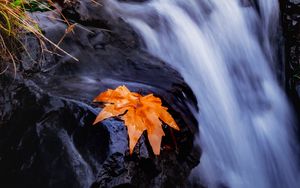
{"points": [[291, 31], [46, 133]]}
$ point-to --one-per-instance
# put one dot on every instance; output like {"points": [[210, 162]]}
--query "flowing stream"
{"points": [[224, 50]]}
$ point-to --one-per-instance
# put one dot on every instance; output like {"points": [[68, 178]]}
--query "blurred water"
{"points": [[222, 49]]}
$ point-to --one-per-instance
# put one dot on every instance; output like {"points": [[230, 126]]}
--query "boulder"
{"points": [[46, 134]]}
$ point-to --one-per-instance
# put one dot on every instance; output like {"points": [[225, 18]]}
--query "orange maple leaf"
{"points": [[139, 113]]}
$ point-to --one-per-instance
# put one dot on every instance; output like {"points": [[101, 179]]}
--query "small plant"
{"points": [[14, 21]]}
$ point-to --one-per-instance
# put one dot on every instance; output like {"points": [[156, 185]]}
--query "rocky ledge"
{"points": [[46, 133], [291, 31]]}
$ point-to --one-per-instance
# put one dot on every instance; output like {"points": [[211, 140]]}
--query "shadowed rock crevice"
{"points": [[291, 32]]}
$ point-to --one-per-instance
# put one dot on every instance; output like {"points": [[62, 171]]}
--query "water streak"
{"points": [[223, 50]]}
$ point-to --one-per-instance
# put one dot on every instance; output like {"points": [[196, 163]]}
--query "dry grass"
{"points": [[14, 21]]}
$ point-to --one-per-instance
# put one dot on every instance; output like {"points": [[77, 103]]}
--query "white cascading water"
{"points": [[223, 51]]}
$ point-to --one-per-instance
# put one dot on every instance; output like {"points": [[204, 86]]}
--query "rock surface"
{"points": [[291, 30], [46, 133]]}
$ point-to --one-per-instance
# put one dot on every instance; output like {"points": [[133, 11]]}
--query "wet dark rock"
{"points": [[291, 30], [45, 140], [46, 133]]}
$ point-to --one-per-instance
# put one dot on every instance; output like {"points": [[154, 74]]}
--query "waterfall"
{"points": [[223, 50]]}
